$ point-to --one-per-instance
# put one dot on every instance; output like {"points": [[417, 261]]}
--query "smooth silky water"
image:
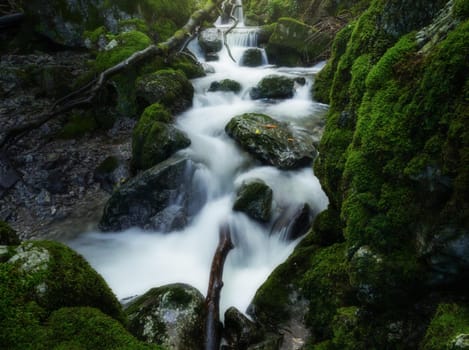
{"points": [[134, 261]]}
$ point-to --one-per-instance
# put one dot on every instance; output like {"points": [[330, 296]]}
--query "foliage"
{"points": [[449, 321]]}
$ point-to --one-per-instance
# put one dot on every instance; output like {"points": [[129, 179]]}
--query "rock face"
{"points": [[168, 87], [172, 316], [293, 222], [255, 199], [145, 197], [225, 85], [154, 139], [252, 57], [270, 142]]}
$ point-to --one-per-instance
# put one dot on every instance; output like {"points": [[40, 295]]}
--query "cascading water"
{"points": [[134, 261]]}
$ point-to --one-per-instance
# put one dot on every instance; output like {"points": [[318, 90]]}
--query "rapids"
{"points": [[134, 261]]}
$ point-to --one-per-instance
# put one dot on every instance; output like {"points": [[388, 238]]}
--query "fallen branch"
{"points": [[212, 301], [87, 94], [233, 26]]}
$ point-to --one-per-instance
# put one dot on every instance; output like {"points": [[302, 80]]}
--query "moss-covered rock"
{"points": [[169, 87], [252, 57], [270, 141], [186, 63], [41, 277], [255, 199], [154, 139], [8, 236], [225, 85], [171, 315], [294, 43], [447, 328], [274, 86], [239, 331]]}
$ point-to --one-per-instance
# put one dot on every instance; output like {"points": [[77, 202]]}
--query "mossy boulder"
{"points": [[154, 139], [449, 328], [186, 63], [172, 315], [225, 85], [39, 278], [211, 40], [8, 236], [294, 43], [252, 57], [270, 141], [144, 200], [168, 87], [275, 87], [255, 199]]}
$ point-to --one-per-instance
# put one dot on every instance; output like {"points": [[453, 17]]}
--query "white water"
{"points": [[134, 261]]}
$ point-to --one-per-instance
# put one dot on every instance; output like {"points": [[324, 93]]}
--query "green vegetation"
{"points": [[449, 321]]}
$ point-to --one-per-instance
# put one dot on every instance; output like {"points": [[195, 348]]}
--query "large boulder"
{"points": [[294, 43], [225, 85], [154, 139], [168, 87], [275, 87], [270, 141], [255, 199], [144, 198], [172, 316], [252, 57], [211, 40], [52, 276]]}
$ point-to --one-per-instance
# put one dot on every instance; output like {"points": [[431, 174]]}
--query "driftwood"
{"points": [[87, 94], [212, 301]]}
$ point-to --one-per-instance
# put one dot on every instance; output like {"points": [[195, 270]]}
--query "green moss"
{"points": [[8, 236], [461, 9], [134, 24], [326, 287], [449, 321], [127, 44], [187, 64], [89, 328]]}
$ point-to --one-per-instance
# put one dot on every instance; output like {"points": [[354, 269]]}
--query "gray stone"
{"points": [[172, 316], [211, 40], [255, 199], [271, 142], [140, 199], [240, 332]]}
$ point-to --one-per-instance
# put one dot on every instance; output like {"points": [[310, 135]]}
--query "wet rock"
{"points": [[172, 316], [211, 40], [225, 85], [255, 199], [293, 222], [274, 87], [143, 197], [270, 141], [239, 331], [252, 57], [168, 87]]}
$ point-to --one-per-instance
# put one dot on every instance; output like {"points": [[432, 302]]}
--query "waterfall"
{"points": [[134, 261]]}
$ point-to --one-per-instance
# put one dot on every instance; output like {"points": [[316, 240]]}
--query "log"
{"points": [[87, 94], [212, 301], [11, 20]]}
